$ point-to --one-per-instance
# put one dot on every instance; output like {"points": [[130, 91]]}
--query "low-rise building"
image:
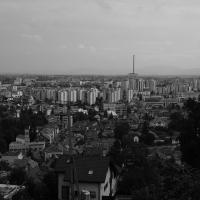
{"points": [[93, 174], [23, 143], [11, 157], [52, 151]]}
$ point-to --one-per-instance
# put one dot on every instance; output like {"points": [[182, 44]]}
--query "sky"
{"points": [[99, 36]]}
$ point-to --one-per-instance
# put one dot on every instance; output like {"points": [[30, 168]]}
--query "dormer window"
{"points": [[90, 172]]}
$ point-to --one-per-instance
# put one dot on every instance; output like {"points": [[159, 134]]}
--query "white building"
{"points": [[82, 95], [63, 96], [23, 143], [72, 95], [152, 85], [141, 85], [92, 95], [130, 95]]}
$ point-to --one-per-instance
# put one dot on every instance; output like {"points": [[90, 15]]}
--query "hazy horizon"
{"points": [[100, 37]]}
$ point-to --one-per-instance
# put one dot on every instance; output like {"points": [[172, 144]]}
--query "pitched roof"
{"points": [[21, 136], [89, 169], [10, 153], [51, 149]]}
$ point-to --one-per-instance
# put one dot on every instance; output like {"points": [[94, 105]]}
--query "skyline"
{"points": [[100, 37]]}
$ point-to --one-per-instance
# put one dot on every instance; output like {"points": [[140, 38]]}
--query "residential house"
{"points": [[94, 175], [52, 151]]}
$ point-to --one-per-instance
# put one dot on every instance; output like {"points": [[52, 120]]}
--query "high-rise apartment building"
{"points": [[152, 85], [130, 95], [63, 96], [82, 95], [114, 95], [72, 95], [92, 94], [141, 85], [51, 94]]}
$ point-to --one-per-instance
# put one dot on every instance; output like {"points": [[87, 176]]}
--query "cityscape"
{"points": [[99, 100], [80, 136]]}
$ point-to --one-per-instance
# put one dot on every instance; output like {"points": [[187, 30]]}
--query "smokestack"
{"points": [[133, 64]]}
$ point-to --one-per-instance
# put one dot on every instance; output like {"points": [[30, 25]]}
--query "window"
{"points": [[65, 192], [92, 194], [90, 172]]}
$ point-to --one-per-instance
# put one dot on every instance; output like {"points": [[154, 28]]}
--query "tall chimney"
{"points": [[133, 64]]}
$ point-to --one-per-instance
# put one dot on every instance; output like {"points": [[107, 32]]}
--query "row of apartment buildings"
{"points": [[65, 95]]}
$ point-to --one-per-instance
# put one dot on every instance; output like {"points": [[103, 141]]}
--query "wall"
{"points": [[111, 185], [82, 186]]}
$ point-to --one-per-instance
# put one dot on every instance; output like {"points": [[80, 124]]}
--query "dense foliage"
{"points": [[46, 189], [146, 177], [10, 126], [187, 122]]}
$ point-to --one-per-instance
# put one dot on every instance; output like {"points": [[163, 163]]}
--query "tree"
{"points": [[105, 113], [189, 137], [17, 176], [50, 181], [116, 153], [121, 129], [91, 114], [128, 110], [3, 146], [148, 138], [160, 179], [145, 127], [139, 173], [110, 116], [4, 166], [176, 121]]}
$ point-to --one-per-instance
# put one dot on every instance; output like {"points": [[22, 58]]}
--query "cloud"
{"points": [[92, 49], [111, 48], [34, 37], [89, 48], [104, 4], [107, 32], [81, 46], [63, 46]]}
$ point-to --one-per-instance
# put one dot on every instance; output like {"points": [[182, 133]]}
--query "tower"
{"points": [[132, 77]]}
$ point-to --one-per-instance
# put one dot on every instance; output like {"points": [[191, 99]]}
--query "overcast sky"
{"points": [[99, 36]]}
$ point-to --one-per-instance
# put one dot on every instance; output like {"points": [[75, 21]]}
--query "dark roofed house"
{"points": [[93, 175], [52, 151]]}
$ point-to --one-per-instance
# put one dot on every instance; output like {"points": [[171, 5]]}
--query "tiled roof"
{"points": [[9, 153], [51, 149], [21, 136], [89, 169]]}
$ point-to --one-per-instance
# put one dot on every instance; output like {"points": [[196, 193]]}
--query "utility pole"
{"points": [[73, 171]]}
